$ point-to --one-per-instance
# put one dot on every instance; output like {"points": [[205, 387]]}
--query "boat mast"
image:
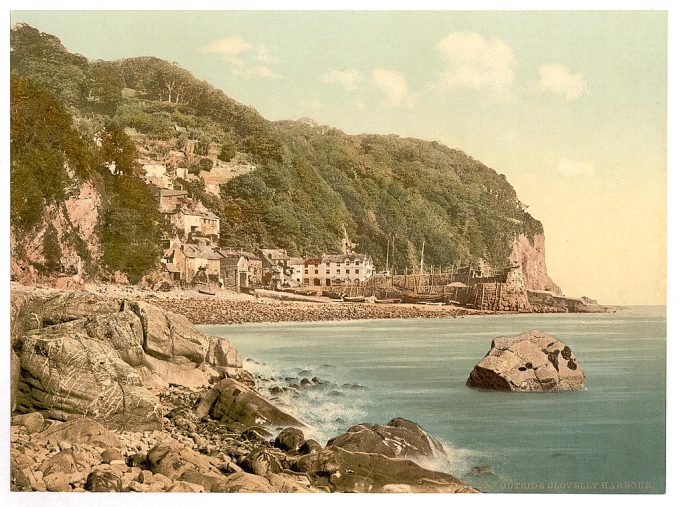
{"points": [[387, 262], [422, 257]]}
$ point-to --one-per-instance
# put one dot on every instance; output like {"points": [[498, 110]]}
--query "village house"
{"points": [[169, 199], [193, 218], [156, 174], [296, 268], [196, 263], [239, 269], [337, 269], [275, 269]]}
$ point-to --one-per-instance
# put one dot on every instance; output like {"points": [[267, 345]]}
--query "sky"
{"points": [[570, 106]]}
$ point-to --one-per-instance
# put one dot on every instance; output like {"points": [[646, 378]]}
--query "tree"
{"points": [[228, 151], [104, 83], [118, 148], [42, 142]]}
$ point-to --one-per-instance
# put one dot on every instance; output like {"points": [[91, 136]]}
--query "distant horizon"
{"points": [[561, 111]]}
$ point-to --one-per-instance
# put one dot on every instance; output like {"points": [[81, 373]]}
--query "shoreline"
{"points": [[228, 308]]}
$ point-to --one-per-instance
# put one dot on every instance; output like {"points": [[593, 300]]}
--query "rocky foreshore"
{"points": [[115, 394]]}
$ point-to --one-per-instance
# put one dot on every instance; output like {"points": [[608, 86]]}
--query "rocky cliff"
{"points": [[529, 253], [65, 236]]}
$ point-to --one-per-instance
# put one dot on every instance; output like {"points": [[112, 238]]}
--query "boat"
{"points": [[331, 294], [207, 292], [389, 301], [354, 299], [423, 298]]}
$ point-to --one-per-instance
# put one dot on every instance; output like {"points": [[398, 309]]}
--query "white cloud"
{"points": [[395, 87], [559, 79], [349, 79], [245, 59], [229, 47], [473, 62], [262, 54], [571, 167], [259, 71]]}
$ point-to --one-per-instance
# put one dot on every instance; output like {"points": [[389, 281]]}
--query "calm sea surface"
{"points": [[612, 435]]}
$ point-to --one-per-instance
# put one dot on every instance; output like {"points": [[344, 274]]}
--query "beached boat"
{"points": [[207, 292], [423, 298], [354, 299], [389, 301]]}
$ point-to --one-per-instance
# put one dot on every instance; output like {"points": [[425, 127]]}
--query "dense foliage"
{"points": [[131, 226], [311, 182]]}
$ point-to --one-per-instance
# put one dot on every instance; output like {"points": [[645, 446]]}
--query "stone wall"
{"points": [[499, 296]]}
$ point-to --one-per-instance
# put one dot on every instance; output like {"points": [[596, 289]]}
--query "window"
{"points": [[337, 271], [306, 271], [356, 271], [328, 271], [357, 263], [347, 271], [328, 264], [316, 271]]}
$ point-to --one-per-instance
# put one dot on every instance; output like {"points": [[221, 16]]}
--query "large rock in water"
{"points": [[239, 407], [530, 362], [398, 438], [84, 354]]}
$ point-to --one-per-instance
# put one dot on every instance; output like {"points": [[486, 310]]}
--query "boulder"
{"points": [[361, 472], [84, 354], [33, 422], [239, 406], [104, 481], [262, 462], [530, 362], [310, 445], [243, 482], [289, 439], [67, 374], [172, 460], [399, 438], [57, 482], [61, 462], [184, 487], [82, 431]]}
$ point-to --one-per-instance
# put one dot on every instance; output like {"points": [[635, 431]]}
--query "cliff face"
{"points": [[66, 237], [530, 255]]}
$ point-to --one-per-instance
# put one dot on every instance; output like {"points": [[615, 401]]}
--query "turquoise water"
{"points": [[608, 438]]}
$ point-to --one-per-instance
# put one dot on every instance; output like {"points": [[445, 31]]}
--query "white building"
{"points": [[340, 269]]}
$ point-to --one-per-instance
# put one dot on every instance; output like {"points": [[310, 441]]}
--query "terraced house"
{"points": [[337, 269]]}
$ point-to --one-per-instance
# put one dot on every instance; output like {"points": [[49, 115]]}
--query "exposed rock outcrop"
{"points": [[83, 354], [238, 406], [398, 438], [529, 253], [530, 362], [365, 472]]}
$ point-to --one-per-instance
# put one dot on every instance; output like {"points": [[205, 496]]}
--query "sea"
{"points": [[609, 438]]}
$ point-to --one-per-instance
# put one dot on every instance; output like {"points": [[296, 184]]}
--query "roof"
{"points": [[274, 254], [171, 267], [196, 251], [200, 211], [295, 261], [172, 193], [352, 257]]}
